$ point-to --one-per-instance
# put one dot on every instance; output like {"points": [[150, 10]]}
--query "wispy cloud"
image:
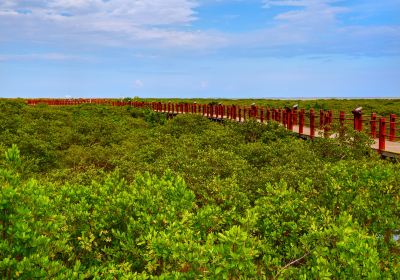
{"points": [[299, 27], [138, 84], [126, 22], [43, 56], [315, 27]]}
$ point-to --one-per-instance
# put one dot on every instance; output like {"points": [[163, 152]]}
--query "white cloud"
{"points": [[42, 56], [316, 27], [138, 12], [305, 26], [204, 84], [138, 84], [314, 13], [155, 23]]}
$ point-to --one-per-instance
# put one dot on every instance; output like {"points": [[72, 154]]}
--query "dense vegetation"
{"points": [[115, 192]]}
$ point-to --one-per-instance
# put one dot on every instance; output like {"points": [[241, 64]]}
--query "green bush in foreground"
{"points": [[155, 226]]}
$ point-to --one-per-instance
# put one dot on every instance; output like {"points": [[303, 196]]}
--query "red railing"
{"points": [[384, 130]]}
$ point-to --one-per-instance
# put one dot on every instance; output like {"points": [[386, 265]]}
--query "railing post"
{"points": [[240, 114], [392, 129], [285, 118], [290, 120], [312, 124], [360, 122], [301, 121], [382, 134], [355, 121], [262, 115], [373, 125], [268, 114], [294, 117], [244, 113]]}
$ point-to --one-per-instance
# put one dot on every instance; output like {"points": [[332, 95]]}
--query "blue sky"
{"points": [[200, 48]]}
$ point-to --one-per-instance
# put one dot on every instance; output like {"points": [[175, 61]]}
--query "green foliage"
{"points": [[154, 118], [349, 144], [93, 192]]}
